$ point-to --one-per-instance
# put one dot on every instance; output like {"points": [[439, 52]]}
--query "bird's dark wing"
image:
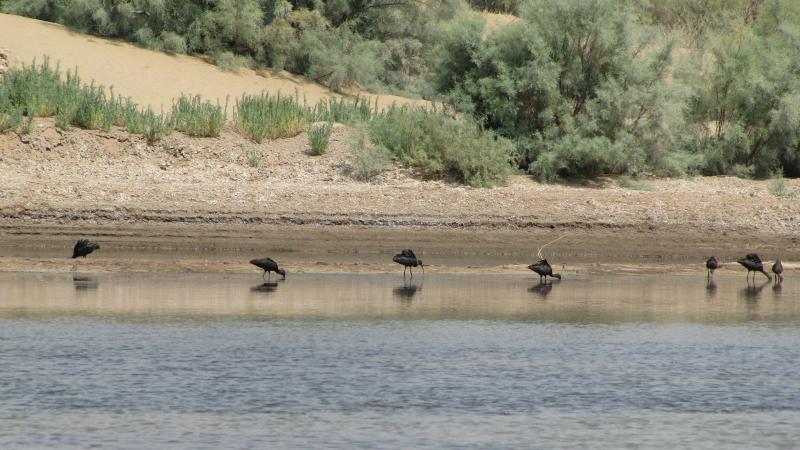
{"points": [[271, 262], [408, 253], [79, 246], [753, 257]]}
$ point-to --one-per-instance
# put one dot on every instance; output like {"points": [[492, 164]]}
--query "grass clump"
{"points": [[319, 136], [368, 161], [255, 158], [777, 187], [10, 114], [343, 110], [195, 117], [156, 126], [265, 117], [39, 90], [442, 146]]}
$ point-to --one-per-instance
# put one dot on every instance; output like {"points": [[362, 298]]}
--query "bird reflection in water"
{"points": [[752, 292], [407, 291], [267, 286], [83, 282], [543, 289], [776, 290], [711, 288]]}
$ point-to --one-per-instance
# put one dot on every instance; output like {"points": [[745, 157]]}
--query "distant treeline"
{"points": [[579, 87]]}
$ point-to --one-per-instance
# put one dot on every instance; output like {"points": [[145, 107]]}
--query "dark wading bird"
{"points": [[753, 263], [543, 268], [409, 260], [83, 247], [269, 266], [777, 269], [712, 264]]}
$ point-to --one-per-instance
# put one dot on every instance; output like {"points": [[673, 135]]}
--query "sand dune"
{"points": [[150, 78]]}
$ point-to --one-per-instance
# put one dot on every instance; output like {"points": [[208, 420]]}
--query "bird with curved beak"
{"points": [[409, 260], [753, 263], [544, 269], [269, 266]]}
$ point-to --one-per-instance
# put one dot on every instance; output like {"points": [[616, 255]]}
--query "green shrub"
{"points": [[255, 158], [92, 111], [441, 146], [319, 136], [368, 161], [344, 110], [173, 43], [9, 119], [156, 126], [265, 117], [777, 187], [10, 114], [195, 117], [229, 61]]}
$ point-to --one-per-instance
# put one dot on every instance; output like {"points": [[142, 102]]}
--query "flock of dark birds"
{"points": [[753, 264], [409, 260]]}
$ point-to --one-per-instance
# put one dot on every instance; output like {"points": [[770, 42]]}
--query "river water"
{"points": [[345, 361]]}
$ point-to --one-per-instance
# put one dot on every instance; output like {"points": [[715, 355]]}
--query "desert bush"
{"points": [[498, 6], [343, 110], [10, 114], [318, 137], [744, 104], [229, 61], [265, 116], [156, 126], [172, 42], [196, 117], [255, 158], [367, 160], [442, 146], [10, 118]]}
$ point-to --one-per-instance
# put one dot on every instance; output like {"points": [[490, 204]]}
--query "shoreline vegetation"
{"points": [[438, 144], [638, 88]]}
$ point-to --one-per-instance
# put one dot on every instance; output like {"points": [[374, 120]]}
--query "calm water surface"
{"points": [[466, 361]]}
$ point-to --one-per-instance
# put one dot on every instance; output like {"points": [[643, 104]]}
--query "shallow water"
{"points": [[335, 360]]}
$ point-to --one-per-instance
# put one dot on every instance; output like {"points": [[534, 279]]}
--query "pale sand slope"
{"points": [[148, 77]]}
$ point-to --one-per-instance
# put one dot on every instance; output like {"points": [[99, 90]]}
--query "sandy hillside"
{"points": [[150, 78]]}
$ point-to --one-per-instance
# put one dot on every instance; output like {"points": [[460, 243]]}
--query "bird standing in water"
{"points": [[269, 266], [409, 260], [712, 264], [543, 268], [82, 248], [753, 263], [777, 269]]}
